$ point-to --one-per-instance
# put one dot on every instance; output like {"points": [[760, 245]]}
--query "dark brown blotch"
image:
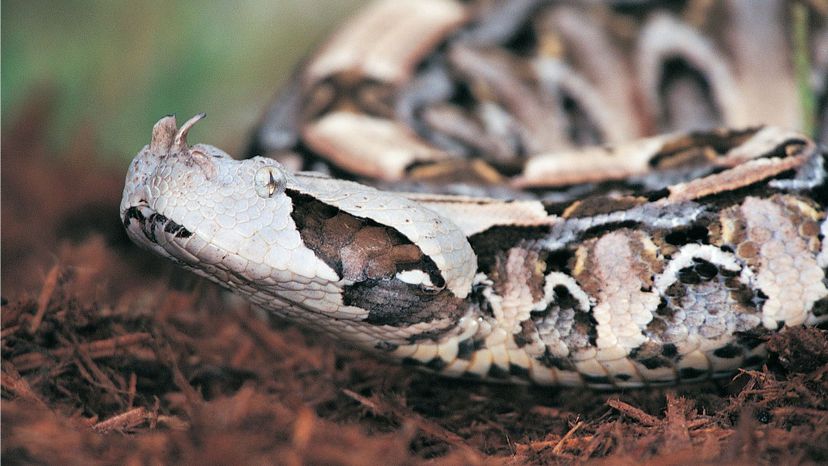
{"points": [[820, 307], [488, 244], [398, 304], [497, 372], [705, 269], [528, 268], [356, 248], [689, 373], [728, 351], [598, 205], [527, 333], [467, 347], [436, 364], [551, 361]]}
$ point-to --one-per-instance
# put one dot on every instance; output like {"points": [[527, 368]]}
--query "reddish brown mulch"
{"points": [[112, 356]]}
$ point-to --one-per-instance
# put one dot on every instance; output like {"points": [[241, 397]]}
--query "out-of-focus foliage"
{"points": [[118, 66]]}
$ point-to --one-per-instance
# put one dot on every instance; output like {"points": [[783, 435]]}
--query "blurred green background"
{"points": [[118, 66]]}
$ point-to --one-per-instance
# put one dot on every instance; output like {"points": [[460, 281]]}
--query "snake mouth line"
{"points": [[150, 221]]}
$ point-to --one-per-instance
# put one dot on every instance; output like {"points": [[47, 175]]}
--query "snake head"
{"points": [[296, 243], [210, 213]]}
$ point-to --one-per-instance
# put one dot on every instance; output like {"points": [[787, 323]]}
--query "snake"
{"points": [[564, 251]]}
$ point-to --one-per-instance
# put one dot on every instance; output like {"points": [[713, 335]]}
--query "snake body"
{"points": [[663, 260]]}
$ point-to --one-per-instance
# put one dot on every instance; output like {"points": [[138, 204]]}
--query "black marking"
{"points": [[428, 335], [657, 326], [436, 364], [604, 228], [675, 290], [696, 233], [656, 195], [754, 361], [399, 304], [526, 334], [702, 270], [171, 227], [497, 372], [664, 309], [466, 348], [488, 243], [586, 324], [692, 373], [743, 295], [719, 140], [782, 149], [655, 362], [518, 371], [623, 377], [148, 227], [688, 276], [563, 298], [730, 197], [819, 193], [669, 350], [559, 261], [752, 338], [650, 355], [408, 361], [478, 297], [133, 213], [555, 208], [728, 351], [596, 379], [386, 346], [548, 360], [592, 206], [820, 307], [177, 230], [705, 269]]}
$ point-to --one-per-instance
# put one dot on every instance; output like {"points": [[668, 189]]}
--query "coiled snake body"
{"points": [[642, 263]]}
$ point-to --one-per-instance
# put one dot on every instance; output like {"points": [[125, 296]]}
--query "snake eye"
{"points": [[269, 181]]}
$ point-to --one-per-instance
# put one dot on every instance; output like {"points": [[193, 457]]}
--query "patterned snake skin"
{"points": [[647, 262]]}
